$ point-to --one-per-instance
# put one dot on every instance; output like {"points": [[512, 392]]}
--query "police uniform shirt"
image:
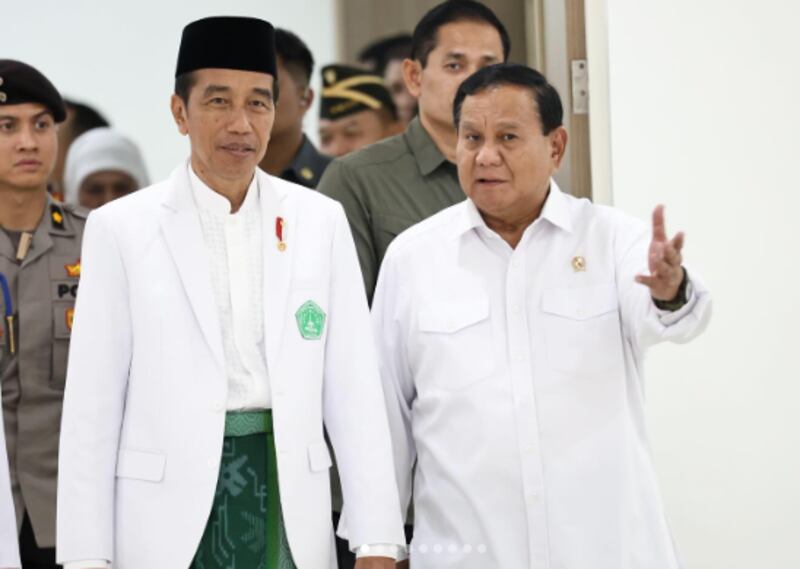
{"points": [[41, 298], [307, 167]]}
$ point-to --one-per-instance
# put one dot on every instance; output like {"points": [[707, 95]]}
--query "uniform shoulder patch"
{"points": [[56, 216]]}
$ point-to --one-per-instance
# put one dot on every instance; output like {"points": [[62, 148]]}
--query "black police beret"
{"points": [[20, 83], [228, 42], [347, 90]]}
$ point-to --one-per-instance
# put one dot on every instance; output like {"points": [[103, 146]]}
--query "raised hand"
{"points": [[664, 260]]}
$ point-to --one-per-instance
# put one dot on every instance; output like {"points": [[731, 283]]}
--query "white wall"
{"points": [[703, 98], [556, 67], [120, 56]]}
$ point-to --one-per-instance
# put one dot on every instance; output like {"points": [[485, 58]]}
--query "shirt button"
{"points": [[517, 309], [218, 406], [581, 312], [533, 497], [519, 357]]}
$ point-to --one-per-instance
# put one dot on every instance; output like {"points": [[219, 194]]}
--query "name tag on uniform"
{"points": [[65, 290]]}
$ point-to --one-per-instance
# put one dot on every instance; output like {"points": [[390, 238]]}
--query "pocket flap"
{"points": [[452, 316], [319, 457], [141, 465], [580, 303]]}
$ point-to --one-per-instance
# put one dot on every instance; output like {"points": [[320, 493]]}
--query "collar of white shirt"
{"points": [[214, 202], [556, 210]]}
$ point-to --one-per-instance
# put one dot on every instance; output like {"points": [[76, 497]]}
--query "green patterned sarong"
{"points": [[245, 529]]}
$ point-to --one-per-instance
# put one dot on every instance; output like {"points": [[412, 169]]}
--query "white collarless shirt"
{"points": [[234, 242], [513, 379]]}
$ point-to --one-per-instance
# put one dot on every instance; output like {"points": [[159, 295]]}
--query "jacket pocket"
{"points": [[455, 342], [141, 465], [319, 458], [582, 329]]}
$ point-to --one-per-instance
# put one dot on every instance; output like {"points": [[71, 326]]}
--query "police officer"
{"points": [[292, 156], [40, 241]]}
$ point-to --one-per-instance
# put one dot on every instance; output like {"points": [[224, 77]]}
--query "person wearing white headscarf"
{"points": [[102, 165]]}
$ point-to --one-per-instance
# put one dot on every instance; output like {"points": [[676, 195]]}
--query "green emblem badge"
{"points": [[310, 320]]}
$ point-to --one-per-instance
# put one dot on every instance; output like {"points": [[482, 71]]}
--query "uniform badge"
{"points": [[330, 76], [578, 264], [69, 316], [279, 225], [74, 271], [310, 320], [56, 217]]}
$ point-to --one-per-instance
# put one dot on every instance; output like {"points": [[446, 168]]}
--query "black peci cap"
{"points": [[228, 42]]}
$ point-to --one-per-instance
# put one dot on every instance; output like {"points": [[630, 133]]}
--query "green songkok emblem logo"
{"points": [[310, 320]]}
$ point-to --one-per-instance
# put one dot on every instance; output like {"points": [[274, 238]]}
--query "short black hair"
{"points": [[378, 54], [551, 111], [294, 54], [423, 41], [185, 81], [84, 117], [183, 84]]}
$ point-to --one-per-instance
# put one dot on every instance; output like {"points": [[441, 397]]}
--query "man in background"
{"points": [[292, 155], [388, 187], [385, 57], [81, 118], [40, 250], [356, 110]]}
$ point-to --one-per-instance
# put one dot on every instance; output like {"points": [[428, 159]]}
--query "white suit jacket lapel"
{"points": [[180, 224], [277, 263]]}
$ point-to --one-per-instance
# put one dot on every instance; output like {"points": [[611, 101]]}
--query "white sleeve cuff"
{"points": [[380, 550], [87, 564], [670, 317]]}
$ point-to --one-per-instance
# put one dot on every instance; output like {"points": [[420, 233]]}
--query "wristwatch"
{"points": [[680, 299]]}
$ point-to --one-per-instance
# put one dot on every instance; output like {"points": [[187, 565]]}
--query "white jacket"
{"points": [[144, 407], [9, 548]]}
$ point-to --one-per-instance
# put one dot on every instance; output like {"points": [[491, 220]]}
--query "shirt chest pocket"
{"points": [[454, 343], [582, 329]]}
